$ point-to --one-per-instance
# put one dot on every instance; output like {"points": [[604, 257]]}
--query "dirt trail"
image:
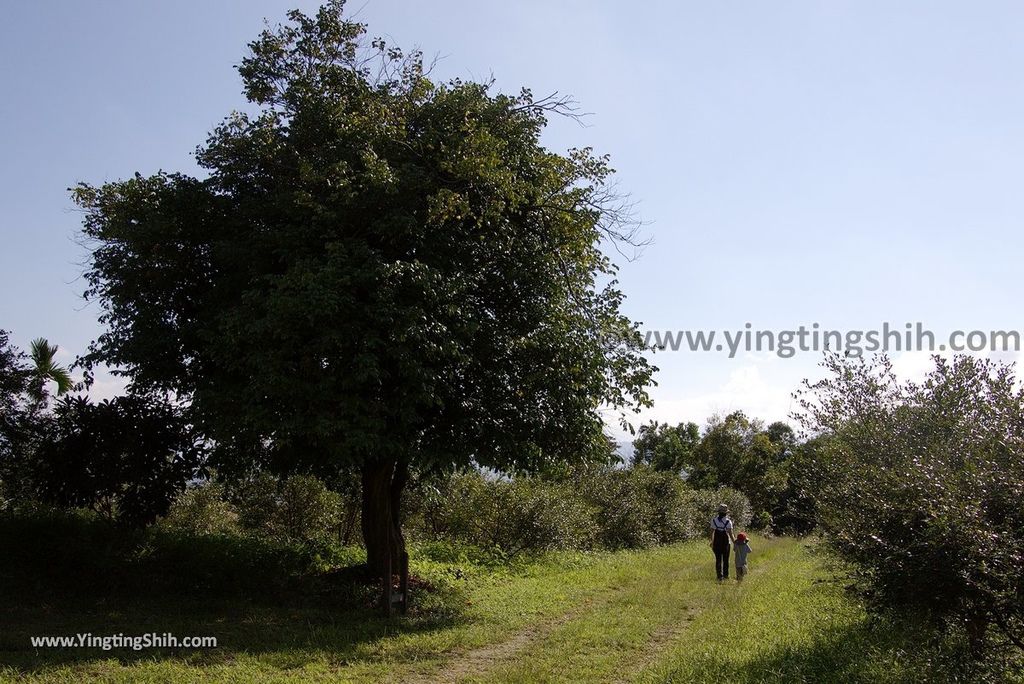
{"points": [[660, 639], [478, 662]]}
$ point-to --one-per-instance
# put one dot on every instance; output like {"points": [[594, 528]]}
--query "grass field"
{"points": [[650, 616]]}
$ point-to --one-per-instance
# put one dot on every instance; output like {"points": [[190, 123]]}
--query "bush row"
{"points": [[592, 508]]}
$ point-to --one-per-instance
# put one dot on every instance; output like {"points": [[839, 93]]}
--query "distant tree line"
{"points": [[735, 451]]}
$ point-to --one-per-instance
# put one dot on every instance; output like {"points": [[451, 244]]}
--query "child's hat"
{"points": [[741, 537]]}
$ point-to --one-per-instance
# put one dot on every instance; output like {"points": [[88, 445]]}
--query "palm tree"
{"points": [[46, 370]]}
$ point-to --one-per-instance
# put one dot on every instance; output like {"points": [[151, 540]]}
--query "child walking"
{"points": [[742, 548]]}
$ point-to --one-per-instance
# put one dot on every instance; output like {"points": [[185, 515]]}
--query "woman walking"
{"points": [[721, 541]]}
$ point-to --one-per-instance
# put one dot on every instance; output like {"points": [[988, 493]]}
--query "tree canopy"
{"points": [[666, 448]]}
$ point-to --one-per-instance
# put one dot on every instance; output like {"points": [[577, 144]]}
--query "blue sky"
{"points": [[845, 163]]}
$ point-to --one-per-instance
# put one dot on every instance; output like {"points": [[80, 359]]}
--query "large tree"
{"points": [[379, 271]]}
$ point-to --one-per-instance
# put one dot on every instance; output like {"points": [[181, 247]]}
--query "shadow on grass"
{"points": [[872, 652], [288, 604]]}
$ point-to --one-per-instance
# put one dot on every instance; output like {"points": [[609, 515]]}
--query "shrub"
{"points": [[306, 509], [76, 556], [920, 488], [667, 495], [635, 507], [202, 510], [256, 501], [622, 508], [762, 521], [514, 515], [595, 506], [297, 508], [126, 457], [701, 505]]}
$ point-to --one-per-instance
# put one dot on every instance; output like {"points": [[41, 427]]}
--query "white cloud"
{"points": [[746, 389], [106, 386], [915, 365], [912, 365]]}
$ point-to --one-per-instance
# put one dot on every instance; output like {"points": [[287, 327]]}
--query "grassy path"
{"points": [[783, 624], [651, 616]]}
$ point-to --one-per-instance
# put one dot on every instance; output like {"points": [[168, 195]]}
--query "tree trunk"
{"points": [[383, 484], [349, 518], [977, 626]]}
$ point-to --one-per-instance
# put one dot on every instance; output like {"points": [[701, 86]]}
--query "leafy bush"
{"points": [[202, 510], [79, 556], [667, 497], [512, 515], [256, 501], [298, 508], [126, 457], [623, 507], [701, 505], [920, 488], [594, 506], [762, 521], [306, 509], [635, 507]]}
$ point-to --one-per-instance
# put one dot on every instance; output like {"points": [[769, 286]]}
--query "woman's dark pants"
{"points": [[721, 557]]}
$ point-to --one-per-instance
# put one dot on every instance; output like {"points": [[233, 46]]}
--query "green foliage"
{"points": [[72, 556], [627, 512], [920, 486], [666, 448], [374, 266], [701, 505], [511, 515], [256, 500], [202, 510], [14, 416], [806, 477], [24, 418], [591, 507], [739, 452], [306, 509], [14, 375], [762, 521], [45, 370], [126, 458], [296, 508], [481, 516], [734, 452]]}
